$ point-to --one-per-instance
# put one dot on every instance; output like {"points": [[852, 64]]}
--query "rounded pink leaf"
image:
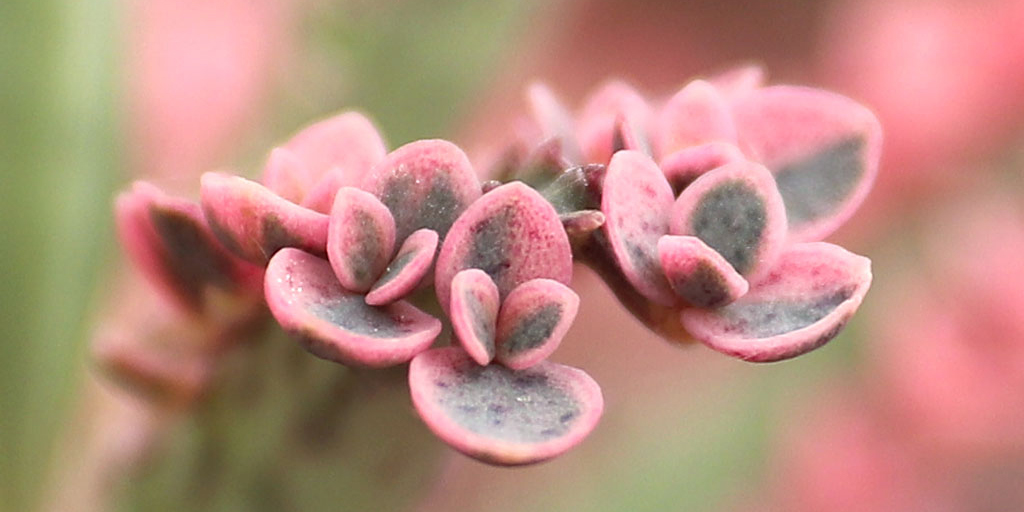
{"points": [[502, 416], [738, 212], [287, 176], [253, 222], [337, 325], [614, 104], [407, 270], [168, 239], [360, 240], [739, 81], [533, 320], [474, 313], [512, 234], [553, 120], [697, 114], [698, 274], [339, 150], [637, 202], [425, 184], [822, 147], [688, 164], [804, 302]]}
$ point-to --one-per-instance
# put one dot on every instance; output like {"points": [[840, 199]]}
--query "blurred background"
{"points": [[918, 405]]}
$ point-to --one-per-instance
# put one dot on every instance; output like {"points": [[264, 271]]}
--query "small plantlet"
{"points": [[703, 213]]}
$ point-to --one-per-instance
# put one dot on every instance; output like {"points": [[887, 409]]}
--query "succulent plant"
{"points": [[703, 214]]}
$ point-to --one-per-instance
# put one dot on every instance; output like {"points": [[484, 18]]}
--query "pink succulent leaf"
{"points": [[629, 134], [577, 188], [738, 212], [474, 313], [637, 202], [532, 322], [688, 164], [168, 239], [697, 114], [335, 324], [407, 270], [698, 274], [253, 222], [360, 238], [804, 302], [553, 120], [513, 234], [287, 176], [542, 165], [822, 147], [739, 81], [425, 184], [601, 115], [345, 146], [503, 416]]}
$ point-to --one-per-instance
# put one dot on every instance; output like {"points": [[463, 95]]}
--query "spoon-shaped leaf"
{"points": [[822, 147], [738, 212], [512, 234], [637, 202], [407, 270], [360, 240], [474, 313], [800, 305], [425, 184], [332, 323], [698, 274], [253, 222], [533, 320], [503, 416]]}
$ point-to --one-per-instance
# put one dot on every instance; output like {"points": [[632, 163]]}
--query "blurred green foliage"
{"points": [[59, 157]]}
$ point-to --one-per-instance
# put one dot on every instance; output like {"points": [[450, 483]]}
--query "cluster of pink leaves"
{"points": [[706, 209]]}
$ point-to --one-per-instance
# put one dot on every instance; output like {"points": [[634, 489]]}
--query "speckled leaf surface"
{"points": [[698, 274], [360, 238], [532, 322], [804, 302], [684, 166], [474, 313], [406, 270], [335, 324], [503, 416]]}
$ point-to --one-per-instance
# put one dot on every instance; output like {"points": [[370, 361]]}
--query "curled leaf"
{"points": [[474, 313], [738, 212], [425, 184], [637, 202], [533, 320], [698, 274], [253, 222], [360, 239], [503, 416], [335, 324], [406, 270], [822, 147], [804, 302], [512, 234]]}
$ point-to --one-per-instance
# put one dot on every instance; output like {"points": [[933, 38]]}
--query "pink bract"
{"points": [[532, 322], [804, 302], [334, 324], [512, 234], [503, 416], [474, 313], [253, 223], [823, 149]]}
